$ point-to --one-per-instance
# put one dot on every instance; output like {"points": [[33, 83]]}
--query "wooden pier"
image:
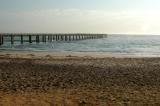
{"points": [[37, 38]]}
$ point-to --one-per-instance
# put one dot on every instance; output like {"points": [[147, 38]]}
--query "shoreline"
{"points": [[67, 54]]}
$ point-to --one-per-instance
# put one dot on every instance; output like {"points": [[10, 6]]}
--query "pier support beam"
{"points": [[69, 37], [30, 38], [56, 37], [1, 40], [53, 37], [43, 38], [37, 38], [62, 37], [21, 39], [50, 38], [12, 39], [76, 37], [65, 37]]}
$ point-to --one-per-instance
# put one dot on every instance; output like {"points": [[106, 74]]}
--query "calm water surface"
{"points": [[112, 44]]}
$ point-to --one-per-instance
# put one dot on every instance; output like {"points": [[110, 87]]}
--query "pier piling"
{"points": [[1, 40], [69, 37], [53, 37], [37, 38], [12, 39], [65, 37], [43, 38], [30, 38], [21, 39]]}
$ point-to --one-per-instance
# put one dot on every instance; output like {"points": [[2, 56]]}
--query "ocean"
{"points": [[128, 44]]}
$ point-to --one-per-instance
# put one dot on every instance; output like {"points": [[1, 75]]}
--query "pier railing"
{"points": [[30, 38]]}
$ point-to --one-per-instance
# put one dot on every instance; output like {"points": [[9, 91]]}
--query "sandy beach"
{"points": [[73, 79]]}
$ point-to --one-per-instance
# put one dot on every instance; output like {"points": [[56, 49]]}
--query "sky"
{"points": [[80, 16]]}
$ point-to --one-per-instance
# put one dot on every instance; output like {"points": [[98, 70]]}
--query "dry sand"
{"points": [[64, 79]]}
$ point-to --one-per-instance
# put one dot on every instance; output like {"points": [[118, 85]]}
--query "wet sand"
{"points": [[48, 79]]}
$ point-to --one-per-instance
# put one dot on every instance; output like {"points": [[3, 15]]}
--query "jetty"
{"points": [[37, 38]]}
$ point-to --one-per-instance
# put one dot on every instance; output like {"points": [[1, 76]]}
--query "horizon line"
{"points": [[77, 33]]}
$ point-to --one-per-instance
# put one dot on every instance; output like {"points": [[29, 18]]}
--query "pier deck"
{"points": [[31, 38]]}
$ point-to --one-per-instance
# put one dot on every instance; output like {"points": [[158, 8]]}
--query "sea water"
{"points": [[145, 44]]}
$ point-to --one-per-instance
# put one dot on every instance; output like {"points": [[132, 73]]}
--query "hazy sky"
{"points": [[89, 16]]}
